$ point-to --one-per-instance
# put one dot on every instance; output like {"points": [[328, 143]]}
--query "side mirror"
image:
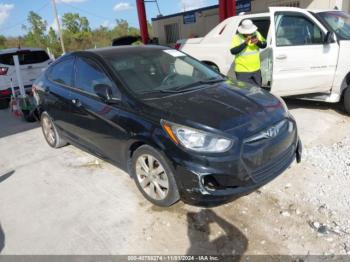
{"points": [[105, 92], [329, 38]]}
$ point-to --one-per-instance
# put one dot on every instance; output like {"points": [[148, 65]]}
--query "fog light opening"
{"points": [[210, 183]]}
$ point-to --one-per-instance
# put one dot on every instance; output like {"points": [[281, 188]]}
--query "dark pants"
{"points": [[253, 78]]}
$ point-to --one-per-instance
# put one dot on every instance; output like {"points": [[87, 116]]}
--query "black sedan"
{"points": [[180, 129]]}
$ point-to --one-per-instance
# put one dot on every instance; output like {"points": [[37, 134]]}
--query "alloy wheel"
{"points": [[49, 131], [152, 177]]}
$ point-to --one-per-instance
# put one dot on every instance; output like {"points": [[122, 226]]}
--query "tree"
{"points": [[53, 42], [74, 23], [36, 30], [77, 34], [37, 24], [2, 42], [123, 29], [101, 37], [77, 31]]}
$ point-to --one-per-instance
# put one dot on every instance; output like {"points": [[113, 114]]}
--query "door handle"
{"points": [[76, 102], [281, 57]]}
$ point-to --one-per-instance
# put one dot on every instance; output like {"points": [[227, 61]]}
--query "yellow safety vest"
{"points": [[249, 59]]}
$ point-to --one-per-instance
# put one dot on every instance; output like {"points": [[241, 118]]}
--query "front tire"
{"points": [[154, 177], [52, 136], [347, 100]]}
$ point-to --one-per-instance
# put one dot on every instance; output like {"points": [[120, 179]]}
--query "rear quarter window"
{"points": [[25, 57], [6, 59], [263, 26]]}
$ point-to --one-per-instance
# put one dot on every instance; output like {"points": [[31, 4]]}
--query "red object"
{"points": [[177, 46], [231, 8], [227, 8], [3, 71], [5, 92], [222, 10], [141, 11], [14, 108]]}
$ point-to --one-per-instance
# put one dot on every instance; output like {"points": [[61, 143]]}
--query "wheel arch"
{"points": [[135, 144], [345, 85], [347, 79]]}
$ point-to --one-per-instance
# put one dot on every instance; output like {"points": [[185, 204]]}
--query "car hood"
{"points": [[228, 107]]}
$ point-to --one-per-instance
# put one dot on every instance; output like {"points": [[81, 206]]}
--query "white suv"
{"points": [[32, 62], [307, 54]]}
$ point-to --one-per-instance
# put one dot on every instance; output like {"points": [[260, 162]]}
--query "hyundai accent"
{"points": [[179, 128]]}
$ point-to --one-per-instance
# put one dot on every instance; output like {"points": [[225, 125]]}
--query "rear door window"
{"points": [[89, 74], [25, 57], [62, 72], [263, 26]]}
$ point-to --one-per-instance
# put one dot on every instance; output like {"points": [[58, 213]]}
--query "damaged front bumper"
{"points": [[216, 186]]}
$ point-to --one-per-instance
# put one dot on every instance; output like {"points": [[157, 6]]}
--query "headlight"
{"points": [[195, 139]]}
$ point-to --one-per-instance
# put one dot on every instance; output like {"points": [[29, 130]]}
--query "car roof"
{"points": [[106, 51], [14, 50], [259, 14], [325, 10]]}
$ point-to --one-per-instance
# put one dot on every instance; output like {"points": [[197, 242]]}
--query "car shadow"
{"points": [[6, 175], [293, 103], [222, 238], [10, 124], [2, 239]]}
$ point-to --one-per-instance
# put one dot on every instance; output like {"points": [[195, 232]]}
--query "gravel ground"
{"points": [[332, 166]]}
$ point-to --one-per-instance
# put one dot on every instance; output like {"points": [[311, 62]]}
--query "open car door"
{"points": [[303, 63]]}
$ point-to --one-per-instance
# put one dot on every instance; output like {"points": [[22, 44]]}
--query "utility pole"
{"points": [[58, 25]]}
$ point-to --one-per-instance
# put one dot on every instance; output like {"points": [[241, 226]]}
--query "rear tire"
{"points": [[51, 134], [154, 177], [4, 103], [29, 116], [347, 100]]}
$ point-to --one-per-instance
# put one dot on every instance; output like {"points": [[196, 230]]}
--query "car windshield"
{"points": [[155, 71], [338, 22]]}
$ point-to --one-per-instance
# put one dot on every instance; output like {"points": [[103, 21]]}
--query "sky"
{"points": [[13, 13]]}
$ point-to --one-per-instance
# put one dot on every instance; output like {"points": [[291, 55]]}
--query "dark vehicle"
{"points": [[179, 128], [132, 40], [126, 40]]}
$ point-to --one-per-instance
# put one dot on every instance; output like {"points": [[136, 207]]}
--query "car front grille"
{"points": [[267, 153], [271, 170]]}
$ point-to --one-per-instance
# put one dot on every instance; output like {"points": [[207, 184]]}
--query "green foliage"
{"points": [[2, 42], [36, 30], [53, 42], [77, 34], [75, 24], [37, 25], [122, 28]]}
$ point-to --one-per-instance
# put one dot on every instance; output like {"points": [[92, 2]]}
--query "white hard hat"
{"points": [[247, 27]]}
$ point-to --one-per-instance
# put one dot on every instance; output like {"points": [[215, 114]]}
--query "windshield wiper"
{"points": [[193, 86]]}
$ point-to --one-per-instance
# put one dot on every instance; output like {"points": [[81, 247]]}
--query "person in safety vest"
{"points": [[245, 46]]}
